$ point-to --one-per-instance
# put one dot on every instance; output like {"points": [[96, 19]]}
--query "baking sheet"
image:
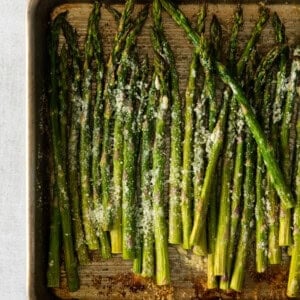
{"points": [[111, 279]]}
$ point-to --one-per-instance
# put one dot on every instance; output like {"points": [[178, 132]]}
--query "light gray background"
{"points": [[12, 150]]}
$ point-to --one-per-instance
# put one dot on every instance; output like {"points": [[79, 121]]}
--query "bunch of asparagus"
{"points": [[113, 189], [252, 177]]}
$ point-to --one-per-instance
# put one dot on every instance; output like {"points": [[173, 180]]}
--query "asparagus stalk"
{"points": [[260, 215], [63, 199], [224, 282], [128, 179], [223, 230], [142, 93], [215, 39], [53, 271], [110, 84], [247, 221], [116, 230], [273, 214], [160, 230], [175, 223], [186, 193], [159, 160], [199, 139], [85, 150], [293, 287], [285, 222], [175, 226], [262, 202], [146, 186]]}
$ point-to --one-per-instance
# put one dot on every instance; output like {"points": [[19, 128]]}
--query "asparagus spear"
{"points": [[199, 140], [262, 202], [53, 271], [116, 230], [247, 221], [142, 94], [146, 186], [175, 224], [215, 39], [176, 154], [98, 74], [293, 287], [159, 160], [223, 230], [128, 178], [85, 150], [229, 246], [110, 84], [285, 222], [273, 223], [187, 148], [63, 199]]}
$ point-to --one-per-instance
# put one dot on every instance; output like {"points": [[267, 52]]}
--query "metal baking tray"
{"points": [[111, 279]]}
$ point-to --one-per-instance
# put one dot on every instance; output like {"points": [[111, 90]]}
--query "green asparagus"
{"points": [[63, 199], [285, 222], [159, 161], [293, 287], [85, 150], [273, 215], [108, 94]]}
